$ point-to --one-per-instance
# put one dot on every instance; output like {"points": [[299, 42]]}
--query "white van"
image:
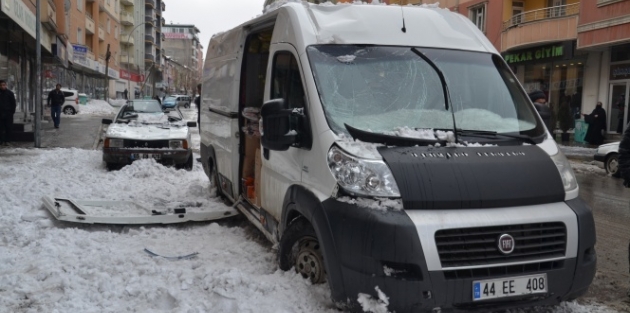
{"points": [[390, 149], [71, 105]]}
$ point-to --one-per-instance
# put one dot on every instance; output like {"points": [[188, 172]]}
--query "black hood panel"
{"points": [[431, 178]]}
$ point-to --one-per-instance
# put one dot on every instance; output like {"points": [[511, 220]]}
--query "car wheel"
{"points": [[612, 165], [299, 248], [111, 166], [69, 110]]}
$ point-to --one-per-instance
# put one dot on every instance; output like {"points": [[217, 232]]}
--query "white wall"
{"points": [[591, 81]]}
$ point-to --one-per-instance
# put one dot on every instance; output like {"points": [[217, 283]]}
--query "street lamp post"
{"points": [[128, 72]]}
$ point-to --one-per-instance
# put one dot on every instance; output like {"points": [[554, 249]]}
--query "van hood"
{"points": [[431, 178], [149, 127]]}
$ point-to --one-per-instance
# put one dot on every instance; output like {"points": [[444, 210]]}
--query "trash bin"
{"points": [[83, 99], [580, 131]]}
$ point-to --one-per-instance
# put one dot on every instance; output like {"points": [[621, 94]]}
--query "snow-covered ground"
{"points": [[49, 266], [582, 152]]}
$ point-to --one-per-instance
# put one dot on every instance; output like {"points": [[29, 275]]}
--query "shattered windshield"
{"points": [[380, 89]]}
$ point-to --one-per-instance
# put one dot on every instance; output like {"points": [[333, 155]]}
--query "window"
{"points": [[478, 16], [109, 26], [287, 82], [116, 31], [80, 5], [620, 53], [79, 36], [517, 9]]}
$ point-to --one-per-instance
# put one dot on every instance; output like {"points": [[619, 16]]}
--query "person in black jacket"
{"points": [[540, 102], [7, 110], [198, 104], [56, 98], [596, 125], [624, 164]]}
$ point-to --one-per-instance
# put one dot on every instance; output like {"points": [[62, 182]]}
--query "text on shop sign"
{"points": [[538, 54]]}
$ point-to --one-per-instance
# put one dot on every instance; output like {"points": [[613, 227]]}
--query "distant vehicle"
{"points": [[609, 154], [169, 102], [71, 106], [141, 130]]}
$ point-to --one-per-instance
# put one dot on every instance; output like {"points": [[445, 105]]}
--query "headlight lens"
{"points": [[176, 144], [362, 177], [566, 172], [115, 143]]}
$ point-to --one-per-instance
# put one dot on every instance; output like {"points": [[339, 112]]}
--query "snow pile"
{"points": [[346, 58], [369, 304], [408, 132], [380, 204], [96, 107], [591, 167], [117, 102], [570, 151]]}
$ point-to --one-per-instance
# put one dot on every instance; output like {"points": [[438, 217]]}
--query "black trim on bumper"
{"points": [[123, 155], [359, 243], [600, 158]]}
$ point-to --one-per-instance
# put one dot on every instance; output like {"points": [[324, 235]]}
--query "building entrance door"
{"points": [[618, 107]]}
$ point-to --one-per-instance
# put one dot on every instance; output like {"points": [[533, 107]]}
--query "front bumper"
{"points": [[128, 155], [370, 248], [600, 157]]}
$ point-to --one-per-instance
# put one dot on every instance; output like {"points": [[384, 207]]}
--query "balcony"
{"points": [[101, 33], [128, 3], [149, 58], [49, 16], [126, 18], [558, 23], [150, 20], [163, 21], [125, 39], [124, 60], [89, 25], [149, 4], [163, 6], [149, 39]]}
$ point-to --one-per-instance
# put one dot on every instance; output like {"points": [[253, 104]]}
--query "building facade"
{"points": [[182, 46]]}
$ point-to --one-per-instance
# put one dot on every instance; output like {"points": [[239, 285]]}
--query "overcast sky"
{"points": [[211, 16]]}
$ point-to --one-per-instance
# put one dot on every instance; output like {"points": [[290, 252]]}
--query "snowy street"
{"points": [[51, 266]]}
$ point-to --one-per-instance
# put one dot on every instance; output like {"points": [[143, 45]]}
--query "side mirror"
{"points": [[276, 126], [191, 124], [106, 121]]}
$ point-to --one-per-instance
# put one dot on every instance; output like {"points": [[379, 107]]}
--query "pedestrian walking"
{"points": [[596, 125], [7, 110], [540, 102], [198, 104], [56, 99], [126, 94]]}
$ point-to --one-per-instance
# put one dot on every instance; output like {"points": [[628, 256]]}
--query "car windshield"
{"points": [[380, 88]]}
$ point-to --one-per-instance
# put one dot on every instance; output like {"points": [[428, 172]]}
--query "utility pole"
{"points": [[38, 69], [107, 56]]}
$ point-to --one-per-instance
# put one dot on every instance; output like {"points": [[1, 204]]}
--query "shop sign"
{"points": [[22, 15], [59, 51], [620, 71], [544, 53], [112, 73], [79, 53], [124, 74]]}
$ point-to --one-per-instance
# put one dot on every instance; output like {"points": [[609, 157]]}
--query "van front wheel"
{"points": [[299, 248]]}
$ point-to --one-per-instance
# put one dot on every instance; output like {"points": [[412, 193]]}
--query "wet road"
{"points": [[610, 202]]}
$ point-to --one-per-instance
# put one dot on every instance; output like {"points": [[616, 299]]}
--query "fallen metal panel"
{"points": [[125, 212]]}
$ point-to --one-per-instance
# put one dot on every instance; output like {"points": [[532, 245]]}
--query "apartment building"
{"points": [[153, 62], [182, 45], [603, 31]]}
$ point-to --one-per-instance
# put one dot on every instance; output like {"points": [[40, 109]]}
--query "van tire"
{"points": [[214, 179], [299, 248]]}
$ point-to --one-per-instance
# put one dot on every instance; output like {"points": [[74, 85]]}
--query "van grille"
{"points": [[508, 270], [152, 144], [479, 246]]}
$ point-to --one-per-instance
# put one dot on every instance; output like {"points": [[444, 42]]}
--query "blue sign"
{"points": [[80, 52]]}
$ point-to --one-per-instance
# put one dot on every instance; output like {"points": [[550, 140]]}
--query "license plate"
{"points": [[509, 287], [137, 156]]}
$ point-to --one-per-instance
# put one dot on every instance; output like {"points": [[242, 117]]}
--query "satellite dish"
{"points": [[67, 6]]}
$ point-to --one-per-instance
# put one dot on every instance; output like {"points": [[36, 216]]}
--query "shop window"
{"points": [[478, 16], [620, 53]]}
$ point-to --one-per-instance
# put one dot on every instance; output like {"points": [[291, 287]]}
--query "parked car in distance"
{"points": [[609, 154], [183, 100], [71, 106], [141, 130], [169, 102]]}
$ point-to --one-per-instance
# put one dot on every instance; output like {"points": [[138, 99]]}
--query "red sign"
{"points": [[134, 77], [176, 36], [48, 74]]}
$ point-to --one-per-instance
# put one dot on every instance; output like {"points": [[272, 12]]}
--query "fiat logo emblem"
{"points": [[506, 244]]}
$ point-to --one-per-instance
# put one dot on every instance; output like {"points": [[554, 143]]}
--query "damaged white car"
{"points": [[141, 130]]}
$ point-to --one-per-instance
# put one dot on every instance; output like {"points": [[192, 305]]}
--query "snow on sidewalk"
{"points": [[96, 107]]}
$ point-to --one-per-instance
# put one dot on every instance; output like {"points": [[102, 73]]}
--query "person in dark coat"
{"points": [[624, 164], [56, 98], [7, 110], [540, 102], [596, 125], [198, 104]]}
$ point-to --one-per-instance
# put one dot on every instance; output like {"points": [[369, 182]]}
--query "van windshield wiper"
{"points": [[493, 134], [447, 95]]}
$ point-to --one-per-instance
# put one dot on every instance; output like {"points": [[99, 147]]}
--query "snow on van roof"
{"points": [[345, 23]]}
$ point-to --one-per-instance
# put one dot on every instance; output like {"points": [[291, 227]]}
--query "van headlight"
{"points": [[360, 176], [114, 143], [566, 172]]}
